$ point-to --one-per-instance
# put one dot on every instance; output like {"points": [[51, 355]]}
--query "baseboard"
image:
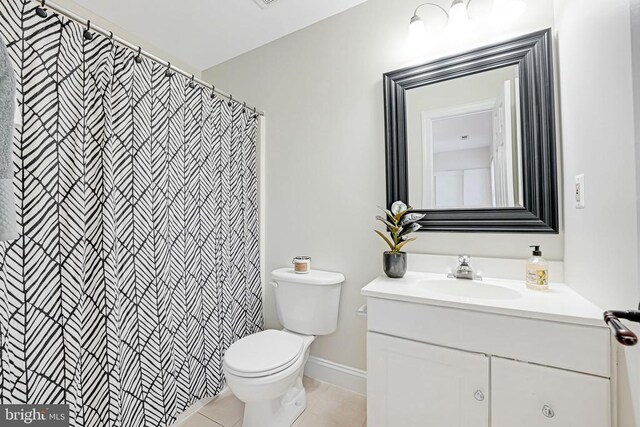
{"points": [[182, 417], [339, 375]]}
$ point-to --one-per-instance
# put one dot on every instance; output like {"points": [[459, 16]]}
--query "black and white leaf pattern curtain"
{"points": [[138, 262]]}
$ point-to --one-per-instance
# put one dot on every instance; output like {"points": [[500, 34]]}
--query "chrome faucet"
{"points": [[463, 270]]}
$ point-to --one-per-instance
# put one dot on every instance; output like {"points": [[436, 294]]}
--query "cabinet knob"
{"points": [[479, 395], [547, 411]]}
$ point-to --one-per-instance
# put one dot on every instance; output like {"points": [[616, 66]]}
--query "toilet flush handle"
{"points": [[274, 284]]}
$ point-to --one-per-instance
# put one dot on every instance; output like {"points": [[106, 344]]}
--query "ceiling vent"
{"points": [[265, 3]]}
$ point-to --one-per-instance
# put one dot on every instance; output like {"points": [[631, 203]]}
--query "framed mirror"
{"points": [[470, 139]]}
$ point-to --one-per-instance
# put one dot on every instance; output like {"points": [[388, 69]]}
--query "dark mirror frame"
{"points": [[533, 54]]}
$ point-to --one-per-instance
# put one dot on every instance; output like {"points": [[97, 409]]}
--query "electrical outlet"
{"points": [[579, 191]]}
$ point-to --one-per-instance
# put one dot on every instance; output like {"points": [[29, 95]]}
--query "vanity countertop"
{"points": [[560, 303]]}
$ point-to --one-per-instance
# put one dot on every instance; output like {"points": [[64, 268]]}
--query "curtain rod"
{"points": [[62, 11]]}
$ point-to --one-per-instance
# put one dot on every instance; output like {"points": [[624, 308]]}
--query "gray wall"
{"points": [[321, 89]]}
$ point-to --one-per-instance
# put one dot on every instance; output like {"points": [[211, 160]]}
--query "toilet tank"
{"points": [[307, 303]]}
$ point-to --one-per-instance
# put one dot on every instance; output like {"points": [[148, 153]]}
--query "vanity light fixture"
{"points": [[458, 16], [417, 32]]}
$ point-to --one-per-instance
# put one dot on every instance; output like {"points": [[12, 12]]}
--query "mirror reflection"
{"points": [[463, 142]]}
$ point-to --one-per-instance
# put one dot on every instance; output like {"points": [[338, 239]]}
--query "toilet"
{"points": [[265, 369]]}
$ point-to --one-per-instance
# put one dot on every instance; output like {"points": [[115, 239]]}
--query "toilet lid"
{"points": [[264, 353]]}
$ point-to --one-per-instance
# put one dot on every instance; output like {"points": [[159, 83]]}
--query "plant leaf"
{"points": [[386, 239], [410, 229], [398, 217], [388, 212], [398, 207], [411, 218], [399, 247], [387, 223]]}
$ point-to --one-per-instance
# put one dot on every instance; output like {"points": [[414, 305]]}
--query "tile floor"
{"points": [[327, 406]]}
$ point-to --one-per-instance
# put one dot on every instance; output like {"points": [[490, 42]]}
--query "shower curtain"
{"points": [[138, 260]]}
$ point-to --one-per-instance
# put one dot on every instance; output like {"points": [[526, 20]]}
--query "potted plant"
{"points": [[400, 224]]}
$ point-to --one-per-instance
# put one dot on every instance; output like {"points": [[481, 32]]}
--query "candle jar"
{"points": [[302, 264]]}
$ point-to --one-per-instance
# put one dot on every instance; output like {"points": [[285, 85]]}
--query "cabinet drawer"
{"points": [[412, 384], [562, 345], [527, 395]]}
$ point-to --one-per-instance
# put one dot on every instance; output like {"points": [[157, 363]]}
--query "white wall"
{"points": [[601, 241], [98, 20], [474, 158], [321, 88]]}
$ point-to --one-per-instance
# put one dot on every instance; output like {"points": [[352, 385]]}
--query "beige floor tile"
{"points": [[340, 406], [315, 390], [198, 420], [310, 383], [327, 406], [309, 419], [225, 410]]}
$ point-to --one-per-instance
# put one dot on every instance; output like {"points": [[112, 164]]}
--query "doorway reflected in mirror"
{"points": [[464, 142]]}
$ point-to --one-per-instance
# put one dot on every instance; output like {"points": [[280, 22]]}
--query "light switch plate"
{"points": [[579, 191]]}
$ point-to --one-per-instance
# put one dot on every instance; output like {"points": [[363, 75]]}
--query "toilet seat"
{"points": [[262, 354]]}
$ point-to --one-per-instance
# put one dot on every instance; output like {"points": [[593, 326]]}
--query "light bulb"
{"points": [[417, 32], [508, 10], [458, 15]]}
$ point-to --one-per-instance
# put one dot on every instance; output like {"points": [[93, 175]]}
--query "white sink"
{"points": [[503, 296], [470, 289]]}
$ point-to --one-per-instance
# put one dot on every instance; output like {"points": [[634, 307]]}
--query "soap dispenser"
{"points": [[537, 271]]}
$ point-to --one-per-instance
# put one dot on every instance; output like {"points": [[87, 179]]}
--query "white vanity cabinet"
{"points": [[410, 382], [462, 362], [528, 395]]}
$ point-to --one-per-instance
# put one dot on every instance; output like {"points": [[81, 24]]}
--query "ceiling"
{"points": [[448, 133], [204, 33]]}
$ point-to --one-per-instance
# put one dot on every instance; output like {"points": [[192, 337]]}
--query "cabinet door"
{"points": [[526, 395], [412, 384]]}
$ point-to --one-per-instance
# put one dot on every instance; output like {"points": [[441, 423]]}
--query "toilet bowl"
{"points": [[264, 370]]}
